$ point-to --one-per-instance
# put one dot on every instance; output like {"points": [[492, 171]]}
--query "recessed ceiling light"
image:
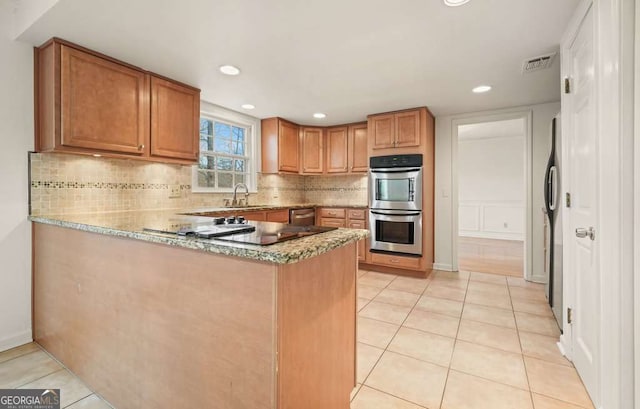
{"points": [[229, 70], [247, 106], [455, 3], [482, 88], [97, 155], [319, 115]]}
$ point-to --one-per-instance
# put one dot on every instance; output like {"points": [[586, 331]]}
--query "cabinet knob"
{"points": [[140, 147]]}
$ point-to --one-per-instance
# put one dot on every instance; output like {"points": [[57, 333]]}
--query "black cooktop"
{"points": [[259, 233], [267, 233]]}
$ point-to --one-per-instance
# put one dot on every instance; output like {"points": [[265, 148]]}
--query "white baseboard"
{"points": [[538, 278], [491, 235], [15, 340], [442, 267], [562, 348]]}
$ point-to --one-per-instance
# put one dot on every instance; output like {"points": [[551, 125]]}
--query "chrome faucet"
{"points": [[234, 201]]}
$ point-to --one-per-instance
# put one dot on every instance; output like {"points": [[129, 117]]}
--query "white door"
{"points": [[582, 165]]}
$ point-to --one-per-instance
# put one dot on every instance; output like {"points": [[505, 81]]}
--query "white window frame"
{"points": [[252, 125]]}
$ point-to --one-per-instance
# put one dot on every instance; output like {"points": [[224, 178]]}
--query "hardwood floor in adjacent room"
{"points": [[504, 257]]}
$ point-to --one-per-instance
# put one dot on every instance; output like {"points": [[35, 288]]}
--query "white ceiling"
{"points": [[346, 58], [497, 129]]}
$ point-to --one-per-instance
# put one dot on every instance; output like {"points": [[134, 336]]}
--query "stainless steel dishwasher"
{"points": [[302, 217]]}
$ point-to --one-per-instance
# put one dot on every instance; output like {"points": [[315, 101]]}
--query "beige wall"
{"points": [[64, 184], [16, 136]]}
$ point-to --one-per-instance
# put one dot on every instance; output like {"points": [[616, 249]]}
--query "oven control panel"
{"points": [[395, 161]]}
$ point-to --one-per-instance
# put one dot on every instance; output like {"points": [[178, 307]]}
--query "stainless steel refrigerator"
{"points": [[553, 199]]}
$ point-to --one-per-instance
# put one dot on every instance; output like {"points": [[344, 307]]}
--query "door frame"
{"points": [[527, 116], [614, 95], [636, 210]]}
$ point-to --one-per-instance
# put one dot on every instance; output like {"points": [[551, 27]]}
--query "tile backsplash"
{"points": [[64, 184]]}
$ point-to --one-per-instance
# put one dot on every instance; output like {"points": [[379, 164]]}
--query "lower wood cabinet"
{"points": [[342, 217], [280, 216], [255, 216], [411, 263]]}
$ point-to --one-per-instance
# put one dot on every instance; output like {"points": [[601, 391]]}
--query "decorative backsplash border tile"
{"points": [[64, 184]]}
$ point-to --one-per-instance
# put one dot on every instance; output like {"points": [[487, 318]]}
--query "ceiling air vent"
{"points": [[538, 63]]}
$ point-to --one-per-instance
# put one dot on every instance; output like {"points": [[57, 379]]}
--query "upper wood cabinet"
{"points": [[347, 149], [407, 129], [383, 131], [312, 149], [289, 148], [175, 114], [358, 157], [104, 105], [397, 130], [337, 149], [89, 103], [280, 146]]}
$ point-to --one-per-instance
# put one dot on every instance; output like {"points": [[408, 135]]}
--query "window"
{"points": [[225, 156]]}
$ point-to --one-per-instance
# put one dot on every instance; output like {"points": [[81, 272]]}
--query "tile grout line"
{"points": [[43, 376], [455, 343], [397, 397], [19, 356], [383, 350], [392, 338]]}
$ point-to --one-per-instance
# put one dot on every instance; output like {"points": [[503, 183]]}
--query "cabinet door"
{"points": [[104, 104], [312, 149], [288, 145], [358, 156], [337, 150], [280, 216], [383, 129], [255, 216], [408, 129], [175, 113], [362, 248]]}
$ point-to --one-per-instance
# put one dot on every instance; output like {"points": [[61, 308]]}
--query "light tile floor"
{"points": [[452, 341], [30, 367], [460, 341]]}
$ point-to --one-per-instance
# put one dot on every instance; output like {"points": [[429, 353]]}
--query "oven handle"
{"points": [[395, 170], [395, 213]]}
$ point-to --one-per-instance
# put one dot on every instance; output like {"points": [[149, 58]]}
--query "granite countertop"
{"points": [[260, 208], [131, 224]]}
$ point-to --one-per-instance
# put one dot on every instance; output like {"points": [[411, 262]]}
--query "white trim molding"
{"points": [[482, 219], [614, 81], [527, 116], [443, 267], [15, 340], [253, 126], [636, 211]]}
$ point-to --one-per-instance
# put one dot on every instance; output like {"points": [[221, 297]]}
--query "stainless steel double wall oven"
{"points": [[395, 203]]}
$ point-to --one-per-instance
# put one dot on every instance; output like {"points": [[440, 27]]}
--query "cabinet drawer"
{"points": [[328, 222], [280, 216], [357, 224], [335, 213], [396, 261], [357, 214], [255, 216]]}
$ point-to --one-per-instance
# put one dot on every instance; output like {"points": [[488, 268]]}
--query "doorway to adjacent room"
{"points": [[492, 196]]}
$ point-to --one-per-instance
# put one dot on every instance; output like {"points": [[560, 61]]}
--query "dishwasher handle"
{"points": [[302, 217]]}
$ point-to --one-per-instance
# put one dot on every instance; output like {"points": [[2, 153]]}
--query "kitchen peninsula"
{"points": [[157, 320]]}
